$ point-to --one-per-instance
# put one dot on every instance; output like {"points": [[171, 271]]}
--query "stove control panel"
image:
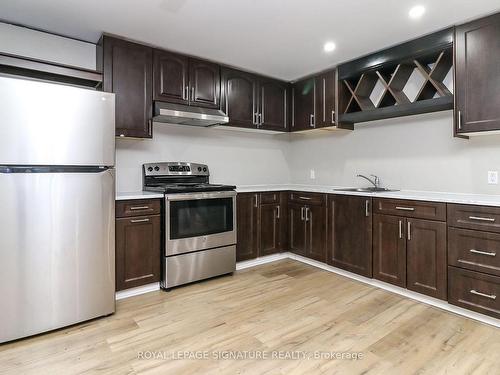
{"points": [[175, 169]]}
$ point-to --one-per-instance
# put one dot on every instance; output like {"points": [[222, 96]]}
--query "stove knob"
{"points": [[199, 169], [157, 168], [150, 169], [204, 169]]}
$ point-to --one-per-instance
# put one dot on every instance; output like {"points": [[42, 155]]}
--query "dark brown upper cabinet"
{"points": [[128, 72], [255, 102], [477, 76], [183, 80], [204, 83], [274, 98], [240, 102], [304, 102], [350, 233], [170, 72], [325, 99]]}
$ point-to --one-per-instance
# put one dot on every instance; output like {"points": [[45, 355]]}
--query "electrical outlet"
{"points": [[312, 174], [493, 177]]}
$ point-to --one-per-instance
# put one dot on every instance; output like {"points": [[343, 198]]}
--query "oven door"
{"points": [[199, 221]]}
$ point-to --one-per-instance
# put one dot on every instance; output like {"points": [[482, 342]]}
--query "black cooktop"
{"points": [[179, 177], [188, 188]]}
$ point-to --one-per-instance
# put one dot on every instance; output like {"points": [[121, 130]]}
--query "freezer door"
{"points": [[57, 250], [49, 124]]}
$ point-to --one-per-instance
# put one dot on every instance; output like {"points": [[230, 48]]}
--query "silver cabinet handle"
{"points": [[285, 95], [306, 198], [302, 209], [478, 218], [256, 200], [192, 93], [311, 121], [186, 93], [139, 221], [367, 208], [324, 100], [135, 208], [400, 229], [459, 118], [474, 251], [307, 214], [490, 296], [256, 118], [277, 212], [260, 119], [405, 208], [333, 117], [409, 231]]}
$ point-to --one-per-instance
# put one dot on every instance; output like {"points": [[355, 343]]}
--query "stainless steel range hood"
{"points": [[187, 115]]}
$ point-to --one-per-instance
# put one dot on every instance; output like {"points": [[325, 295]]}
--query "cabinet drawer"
{"points": [[307, 198], [407, 208], [474, 217], [474, 250], [138, 207], [474, 291], [269, 198]]}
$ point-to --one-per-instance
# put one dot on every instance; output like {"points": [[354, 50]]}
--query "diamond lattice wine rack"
{"points": [[411, 78]]}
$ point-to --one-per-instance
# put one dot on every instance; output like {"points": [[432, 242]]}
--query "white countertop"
{"points": [[138, 195], [475, 199]]}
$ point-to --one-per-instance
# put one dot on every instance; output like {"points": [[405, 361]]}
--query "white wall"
{"points": [[233, 157], [417, 153], [414, 153]]}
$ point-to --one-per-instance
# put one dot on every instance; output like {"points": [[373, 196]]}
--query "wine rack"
{"points": [[376, 86]]}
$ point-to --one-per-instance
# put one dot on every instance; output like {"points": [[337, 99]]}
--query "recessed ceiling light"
{"points": [[329, 47], [416, 12]]}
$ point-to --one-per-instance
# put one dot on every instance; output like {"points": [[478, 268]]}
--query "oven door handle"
{"points": [[196, 196]]}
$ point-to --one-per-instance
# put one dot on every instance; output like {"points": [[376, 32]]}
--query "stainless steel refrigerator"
{"points": [[57, 192]]}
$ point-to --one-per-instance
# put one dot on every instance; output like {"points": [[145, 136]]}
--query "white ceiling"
{"points": [[280, 38]]}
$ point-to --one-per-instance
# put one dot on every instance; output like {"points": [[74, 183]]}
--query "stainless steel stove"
{"points": [[200, 222]]}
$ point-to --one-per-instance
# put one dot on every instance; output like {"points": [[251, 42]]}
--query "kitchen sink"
{"points": [[366, 190]]}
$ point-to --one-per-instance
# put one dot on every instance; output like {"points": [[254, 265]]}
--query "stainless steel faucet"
{"points": [[375, 182]]}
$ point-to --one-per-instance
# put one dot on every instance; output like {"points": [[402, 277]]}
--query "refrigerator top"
{"points": [[45, 124]]}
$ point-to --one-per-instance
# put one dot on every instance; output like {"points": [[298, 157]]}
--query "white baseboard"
{"points": [[376, 283], [137, 291], [380, 284], [261, 260]]}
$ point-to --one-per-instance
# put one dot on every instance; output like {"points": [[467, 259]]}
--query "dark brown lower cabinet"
{"points": [[308, 226], [350, 233], [474, 291], [297, 230], [261, 224], [138, 251], [426, 257], [247, 215], [316, 229], [272, 224], [389, 249]]}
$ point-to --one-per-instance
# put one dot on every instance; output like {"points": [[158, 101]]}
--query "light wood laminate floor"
{"points": [[284, 307]]}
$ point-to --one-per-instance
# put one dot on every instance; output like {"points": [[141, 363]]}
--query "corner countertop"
{"points": [[122, 196], [431, 196], [459, 198]]}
